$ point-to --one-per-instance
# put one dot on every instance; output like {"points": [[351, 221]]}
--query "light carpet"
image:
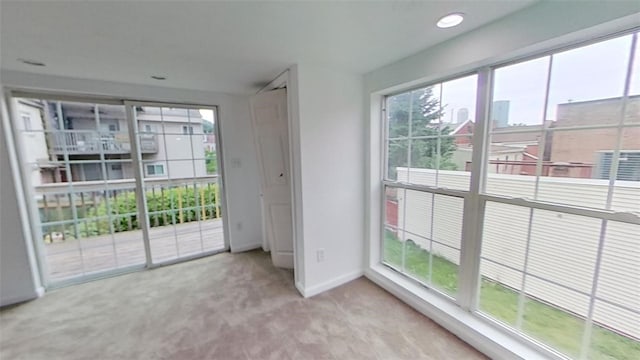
{"points": [[227, 306]]}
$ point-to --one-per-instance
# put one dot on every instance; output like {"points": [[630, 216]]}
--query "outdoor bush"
{"points": [[165, 206]]}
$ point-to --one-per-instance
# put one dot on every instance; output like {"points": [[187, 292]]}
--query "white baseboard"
{"points": [[485, 338], [40, 291], [247, 247], [300, 288], [328, 285]]}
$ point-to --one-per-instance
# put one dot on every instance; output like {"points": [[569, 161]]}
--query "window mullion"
{"points": [[473, 216], [136, 159]]}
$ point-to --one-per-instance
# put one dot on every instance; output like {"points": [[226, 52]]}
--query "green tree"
{"points": [[211, 159], [420, 110], [207, 127]]}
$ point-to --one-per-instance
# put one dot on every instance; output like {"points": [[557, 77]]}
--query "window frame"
{"points": [[26, 121], [476, 198], [462, 296], [187, 130], [155, 167]]}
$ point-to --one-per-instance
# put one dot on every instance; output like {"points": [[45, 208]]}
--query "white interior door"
{"points": [[271, 136]]}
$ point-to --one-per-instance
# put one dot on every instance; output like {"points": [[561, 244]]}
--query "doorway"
{"points": [[270, 124]]}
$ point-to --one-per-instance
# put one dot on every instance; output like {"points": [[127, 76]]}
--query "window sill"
{"points": [[485, 337]]}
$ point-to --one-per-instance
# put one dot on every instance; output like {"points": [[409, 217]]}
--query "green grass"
{"points": [[552, 326]]}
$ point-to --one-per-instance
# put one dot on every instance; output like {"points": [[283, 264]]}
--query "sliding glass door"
{"points": [[118, 186], [181, 181]]}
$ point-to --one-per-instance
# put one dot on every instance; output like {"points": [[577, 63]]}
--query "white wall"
{"points": [[18, 274], [541, 26], [239, 157], [332, 165]]}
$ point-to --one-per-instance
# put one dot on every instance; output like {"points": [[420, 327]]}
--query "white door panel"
{"points": [[271, 135]]}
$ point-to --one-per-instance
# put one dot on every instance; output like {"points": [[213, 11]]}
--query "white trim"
{"points": [[300, 289], [472, 329], [474, 208], [330, 284], [620, 216], [141, 198], [222, 185], [26, 209], [289, 80], [247, 247], [426, 188]]}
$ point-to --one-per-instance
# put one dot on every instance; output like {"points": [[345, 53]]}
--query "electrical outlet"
{"points": [[320, 255]]}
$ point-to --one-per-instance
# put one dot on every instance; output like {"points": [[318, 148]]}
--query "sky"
{"points": [[207, 114], [596, 71]]}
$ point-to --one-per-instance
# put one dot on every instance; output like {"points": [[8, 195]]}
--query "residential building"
{"points": [[594, 148], [36, 153], [74, 132]]}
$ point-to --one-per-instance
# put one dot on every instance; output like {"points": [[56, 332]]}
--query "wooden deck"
{"points": [[100, 253]]}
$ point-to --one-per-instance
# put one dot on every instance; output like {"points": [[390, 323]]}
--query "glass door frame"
{"points": [[134, 129], [35, 235]]}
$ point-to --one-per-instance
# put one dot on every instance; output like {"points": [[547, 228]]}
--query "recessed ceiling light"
{"points": [[450, 20], [32, 62], [158, 77]]}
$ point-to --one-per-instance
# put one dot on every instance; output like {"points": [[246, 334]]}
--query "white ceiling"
{"points": [[224, 46]]}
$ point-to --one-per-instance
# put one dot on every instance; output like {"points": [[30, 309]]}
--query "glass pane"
{"points": [[397, 160], [427, 111], [579, 166], [619, 342], [392, 252], [424, 162], [181, 182], [549, 321], [398, 115], [79, 158], [519, 94], [415, 213], [634, 88], [606, 63], [504, 242], [616, 328], [458, 102], [511, 163], [430, 238], [557, 254]]}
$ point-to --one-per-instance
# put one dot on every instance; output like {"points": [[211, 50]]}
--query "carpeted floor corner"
{"points": [[227, 306]]}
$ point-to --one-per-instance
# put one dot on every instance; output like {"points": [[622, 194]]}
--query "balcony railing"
{"points": [[80, 142], [97, 203]]}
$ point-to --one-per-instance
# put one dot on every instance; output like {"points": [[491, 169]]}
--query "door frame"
{"points": [[139, 175], [19, 171], [289, 79]]}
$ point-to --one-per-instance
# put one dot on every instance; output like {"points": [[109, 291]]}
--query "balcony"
{"points": [[81, 142], [94, 227]]}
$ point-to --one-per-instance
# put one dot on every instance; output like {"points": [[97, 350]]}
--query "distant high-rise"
{"points": [[500, 113], [463, 115]]}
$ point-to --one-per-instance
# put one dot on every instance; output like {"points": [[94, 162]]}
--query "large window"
{"points": [[552, 200], [429, 132]]}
